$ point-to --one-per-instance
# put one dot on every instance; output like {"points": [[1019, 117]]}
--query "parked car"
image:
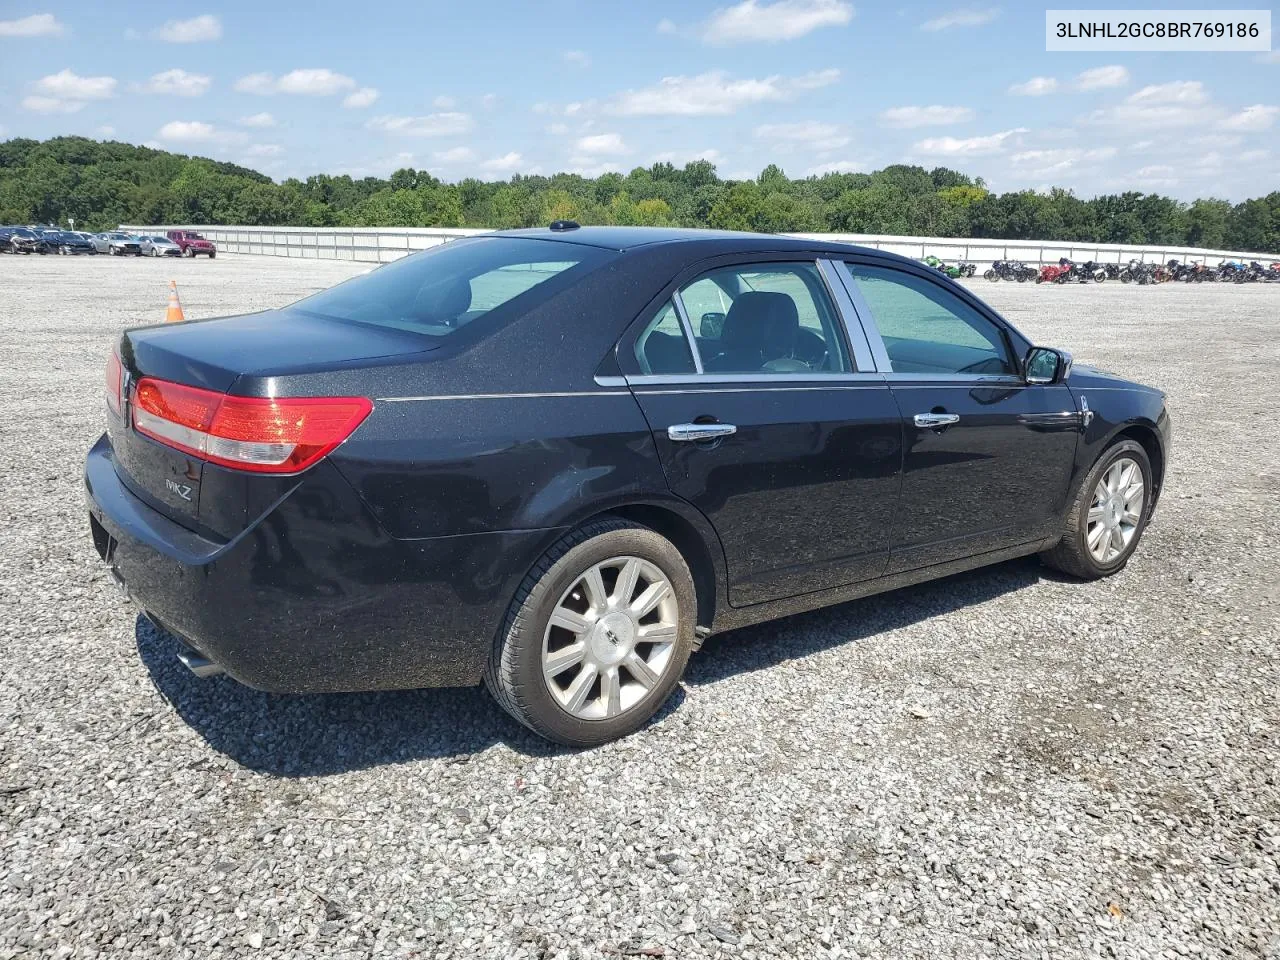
{"points": [[191, 243], [26, 240], [159, 247], [117, 244], [555, 460], [5, 234], [68, 242]]}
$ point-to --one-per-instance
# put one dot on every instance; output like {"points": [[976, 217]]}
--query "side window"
{"points": [[765, 318], [663, 347], [927, 329]]}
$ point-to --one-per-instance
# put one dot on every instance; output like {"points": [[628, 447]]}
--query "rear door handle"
{"points": [[934, 420], [700, 431]]}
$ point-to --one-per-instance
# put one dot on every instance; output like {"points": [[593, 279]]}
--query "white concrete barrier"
{"points": [[384, 244]]}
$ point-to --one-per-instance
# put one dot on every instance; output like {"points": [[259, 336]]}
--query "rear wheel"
{"points": [[1108, 515], [597, 636]]}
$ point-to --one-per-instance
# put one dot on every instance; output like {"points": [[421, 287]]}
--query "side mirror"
{"points": [[1046, 365], [711, 325]]}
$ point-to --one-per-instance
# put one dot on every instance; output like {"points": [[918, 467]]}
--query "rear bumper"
{"points": [[313, 596]]}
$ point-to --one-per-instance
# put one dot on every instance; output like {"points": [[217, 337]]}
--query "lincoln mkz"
{"points": [[555, 460]]}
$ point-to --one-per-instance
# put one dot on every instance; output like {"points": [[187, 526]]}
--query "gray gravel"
{"points": [[1001, 764]]}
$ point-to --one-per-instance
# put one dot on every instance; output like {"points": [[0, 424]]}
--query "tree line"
{"points": [[102, 185]]}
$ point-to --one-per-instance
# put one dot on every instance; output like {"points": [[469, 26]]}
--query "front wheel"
{"points": [[990, 275], [213, 254], [1107, 517], [597, 636], [188, 252]]}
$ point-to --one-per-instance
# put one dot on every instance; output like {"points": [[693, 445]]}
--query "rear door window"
{"points": [[765, 318]]}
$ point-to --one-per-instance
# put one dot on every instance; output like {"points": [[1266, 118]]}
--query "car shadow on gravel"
{"points": [[319, 734], [303, 736], [768, 644]]}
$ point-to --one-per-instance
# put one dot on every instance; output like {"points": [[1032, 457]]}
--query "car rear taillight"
{"points": [[281, 435], [115, 376]]}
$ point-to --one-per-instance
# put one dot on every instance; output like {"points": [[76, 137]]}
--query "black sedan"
{"points": [[67, 242], [556, 460]]}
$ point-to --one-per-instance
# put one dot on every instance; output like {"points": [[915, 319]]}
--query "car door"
{"points": [[769, 423], [987, 456]]}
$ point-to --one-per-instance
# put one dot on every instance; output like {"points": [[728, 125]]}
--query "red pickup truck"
{"points": [[191, 243]]}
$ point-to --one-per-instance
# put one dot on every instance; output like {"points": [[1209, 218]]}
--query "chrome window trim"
{"points": [[867, 319], [819, 381], [955, 379], [688, 328], [855, 335]]}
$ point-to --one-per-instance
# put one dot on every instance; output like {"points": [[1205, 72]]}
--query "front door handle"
{"points": [[700, 431], [933, 421]]}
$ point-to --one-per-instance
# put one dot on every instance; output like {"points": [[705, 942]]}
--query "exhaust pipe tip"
{"points": [[198, 663]]}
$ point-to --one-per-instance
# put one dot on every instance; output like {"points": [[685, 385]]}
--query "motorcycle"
{"points": [[1010, 270]]}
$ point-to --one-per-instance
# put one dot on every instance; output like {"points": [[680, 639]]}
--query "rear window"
{"points": [[450, 286]]}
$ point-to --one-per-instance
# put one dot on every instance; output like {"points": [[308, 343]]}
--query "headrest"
{"points": [[764, 321]]}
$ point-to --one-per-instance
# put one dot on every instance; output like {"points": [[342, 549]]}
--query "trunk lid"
{"points": [[213, 355]]}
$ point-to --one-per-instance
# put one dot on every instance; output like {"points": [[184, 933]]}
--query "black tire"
{"points": [[991, 275], [1072, 555], [213, 254], [514, 675]]}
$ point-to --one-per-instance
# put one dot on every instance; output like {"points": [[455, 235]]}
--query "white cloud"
{"points": [[444, 103], [489, 101], [1044, 163], [196, 131], [1035, 87], [1155, 170], [752, 21], [507, 163], [106, 130], [931, 116], [968, 147], [314, 82], [258, 120], [557, 129], [714, 93], [811, 134], [66, 85], [967, 17], [577, 58], [1185, 92], [602, 145], [454, 155], [666, 26], [364, 97], [838, 166], [36, 25], [1101, 78], [1252, 119], [432, 125], [1181, 103], [265, 150], [38, 104], [178, 82], [262, 83], [67, 92], [196, 30]]}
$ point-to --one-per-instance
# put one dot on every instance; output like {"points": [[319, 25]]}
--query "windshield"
{"points": [[23, 232], [444, 289]]}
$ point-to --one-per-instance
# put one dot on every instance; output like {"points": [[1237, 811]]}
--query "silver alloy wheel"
{"points": [[1116, 510], [610, 638]]}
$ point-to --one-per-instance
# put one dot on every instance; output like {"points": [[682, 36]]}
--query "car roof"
{"points": [[719, 241]]}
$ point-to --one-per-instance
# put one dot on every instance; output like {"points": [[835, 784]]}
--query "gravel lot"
{"points": [[1001, 764]]}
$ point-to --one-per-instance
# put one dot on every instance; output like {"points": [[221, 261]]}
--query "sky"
{"points": [[492, 88]]}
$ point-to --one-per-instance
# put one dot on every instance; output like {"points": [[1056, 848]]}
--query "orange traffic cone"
{"points": [[174, 313]]}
